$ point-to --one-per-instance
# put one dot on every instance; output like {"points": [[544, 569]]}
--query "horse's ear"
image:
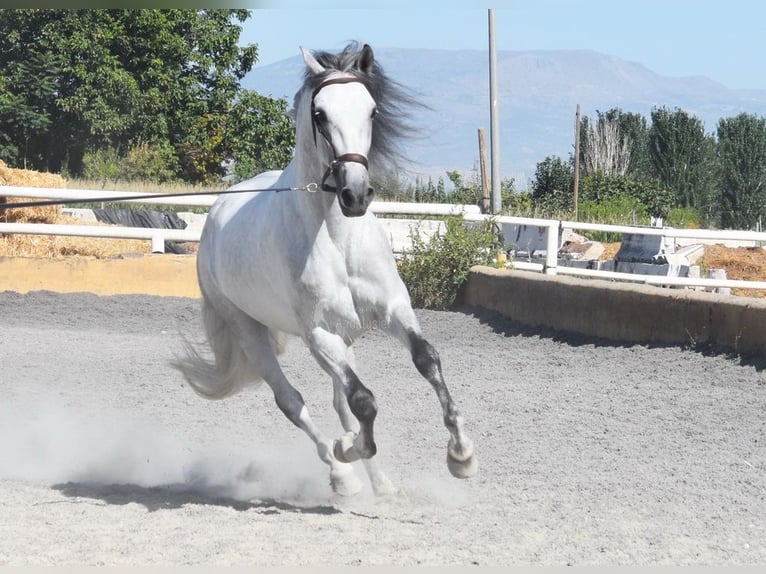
{"points": [[365, 60], [311, 61]]}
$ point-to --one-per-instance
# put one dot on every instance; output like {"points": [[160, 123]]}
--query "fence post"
{"points": [[552, 248], [158, 243]]}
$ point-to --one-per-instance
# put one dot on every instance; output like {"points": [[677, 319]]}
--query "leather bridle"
{"points": [[316, 126]]}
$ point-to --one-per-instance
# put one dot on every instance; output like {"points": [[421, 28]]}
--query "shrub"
{"points": [[143, 162], [617, 210], [435, 271], [150, 162], [684, 217], [653, 197], [102, 164]]}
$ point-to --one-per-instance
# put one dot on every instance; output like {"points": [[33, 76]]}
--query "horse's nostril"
{"points": [[370, 191], [346, 197]]}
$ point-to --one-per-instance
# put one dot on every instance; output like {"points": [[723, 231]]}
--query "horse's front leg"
{"points": [[403, 325], [381, 484], [330, 351]]}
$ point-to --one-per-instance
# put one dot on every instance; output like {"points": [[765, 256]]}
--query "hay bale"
{"points": [[49, 246], [28, 178]]}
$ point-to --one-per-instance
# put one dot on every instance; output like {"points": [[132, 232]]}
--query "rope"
{"points": [[311, 187]]}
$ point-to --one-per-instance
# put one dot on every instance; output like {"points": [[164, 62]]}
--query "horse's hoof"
{"points": [[465, 468], [344, 449], [345, 482]]}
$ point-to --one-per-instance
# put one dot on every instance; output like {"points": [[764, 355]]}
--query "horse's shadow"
{"points": [[175, 496]]}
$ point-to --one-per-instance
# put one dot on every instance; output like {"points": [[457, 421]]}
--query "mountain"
{"points": [[538, 95]]}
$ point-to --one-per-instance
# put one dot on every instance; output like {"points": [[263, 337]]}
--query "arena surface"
{"points": [[590, 452]]}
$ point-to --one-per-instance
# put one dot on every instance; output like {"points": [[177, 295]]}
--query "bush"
{"points": [[435, 271], [150, 162], [143, 162], [655, 200], [684, 217], [102, 164], [617, 210]]}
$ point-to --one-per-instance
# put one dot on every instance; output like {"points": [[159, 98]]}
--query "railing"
{"points": [[207, 199], [469, 213], [158, 237], [555, 227]]}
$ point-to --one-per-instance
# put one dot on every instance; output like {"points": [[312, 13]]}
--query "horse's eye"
{"points": [[320, 116], [374, 113]]}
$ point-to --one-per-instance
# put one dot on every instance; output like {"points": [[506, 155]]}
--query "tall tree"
{"points": [[607, 150], [632, 132], [742, 156], [683, 157]]}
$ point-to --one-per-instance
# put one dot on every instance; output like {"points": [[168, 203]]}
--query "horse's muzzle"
{"points": [[353, 189], [355, 204]]}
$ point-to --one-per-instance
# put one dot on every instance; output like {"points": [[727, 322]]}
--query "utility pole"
{"points": [[577, 160], [494, 129], [485, 203]]}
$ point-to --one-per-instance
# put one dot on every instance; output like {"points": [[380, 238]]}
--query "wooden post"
{"points": [[577, 161], [485, 203]]}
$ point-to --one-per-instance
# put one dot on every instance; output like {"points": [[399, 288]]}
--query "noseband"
{"points": [[332, 169]]}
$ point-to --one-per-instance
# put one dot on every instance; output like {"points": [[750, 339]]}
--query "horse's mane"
{"points": [[393, 123]]}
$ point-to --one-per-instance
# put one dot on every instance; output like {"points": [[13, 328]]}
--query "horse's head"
{"points": [[342, 112]]}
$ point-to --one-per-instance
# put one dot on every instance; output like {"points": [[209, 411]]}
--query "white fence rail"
{"points": [[553, 230], [207, 199]]}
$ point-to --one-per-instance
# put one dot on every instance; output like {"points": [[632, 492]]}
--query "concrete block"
{"points": [[641, 248], [621, 312], [531, 239]]}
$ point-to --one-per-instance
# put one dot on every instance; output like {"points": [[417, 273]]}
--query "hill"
{"points": [[538, 95]]}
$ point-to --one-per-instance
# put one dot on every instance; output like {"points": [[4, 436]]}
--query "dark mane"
{"points": [[393, 123]]}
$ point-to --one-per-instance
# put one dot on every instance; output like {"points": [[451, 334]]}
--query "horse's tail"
{"points": [[229, 370]]}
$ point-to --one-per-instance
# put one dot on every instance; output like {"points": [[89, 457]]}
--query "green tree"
{"points": [[552, 187], [742, 156], [82, 80], [261, 134], [683, 158], [25, 87]]}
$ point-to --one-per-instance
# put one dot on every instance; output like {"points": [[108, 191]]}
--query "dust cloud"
{"points": [[63, 444]]}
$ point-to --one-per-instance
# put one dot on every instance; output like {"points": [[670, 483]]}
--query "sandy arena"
{"points": [[589, 452]]}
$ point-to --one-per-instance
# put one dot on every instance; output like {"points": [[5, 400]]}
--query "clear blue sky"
{"points": [[724, 40]]}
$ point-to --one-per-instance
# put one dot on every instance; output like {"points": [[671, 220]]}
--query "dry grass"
{"points": [[744, 263], [610, 250], [52, 246], [141, 186]]}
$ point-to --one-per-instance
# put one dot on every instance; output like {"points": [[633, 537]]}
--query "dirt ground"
{"points": [[590, 452]]}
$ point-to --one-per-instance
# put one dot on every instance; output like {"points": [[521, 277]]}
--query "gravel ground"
{"points": [[590, 452]]}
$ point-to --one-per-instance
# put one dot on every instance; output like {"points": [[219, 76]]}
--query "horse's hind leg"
{"points": [[260, 348], [403, 324]]}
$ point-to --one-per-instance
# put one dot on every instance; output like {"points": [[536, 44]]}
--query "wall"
{"points": [[170, 275], [621, 311]]}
